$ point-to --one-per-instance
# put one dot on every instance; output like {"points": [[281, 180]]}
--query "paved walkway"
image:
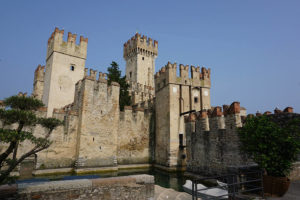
{"points": [[162, 193]]}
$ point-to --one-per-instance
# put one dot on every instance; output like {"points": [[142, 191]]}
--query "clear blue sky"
{"points": [[252, 46]]}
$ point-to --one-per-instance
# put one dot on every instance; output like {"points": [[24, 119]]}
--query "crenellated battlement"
{"points": [[168, 74], [131, 113], [140, 93], [276, 112], [217, 118], [69, 47], [39, 73], [93, 75], [38, 83], [137, 87], [140, 45]]}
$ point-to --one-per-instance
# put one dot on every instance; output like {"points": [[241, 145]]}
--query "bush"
{"points": [[273, 146]]}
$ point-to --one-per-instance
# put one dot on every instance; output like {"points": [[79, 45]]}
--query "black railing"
{"points": [[233, 186]]}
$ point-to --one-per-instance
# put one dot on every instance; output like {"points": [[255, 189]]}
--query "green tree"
{"points": [[114, 75], [19, 113], [272, 145]]}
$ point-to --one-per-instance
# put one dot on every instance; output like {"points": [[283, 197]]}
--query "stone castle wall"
{"points": [[109, 137], [61, 153], [98, 110], [135, 128], [212, 141], [95, 133], [140, 93]]}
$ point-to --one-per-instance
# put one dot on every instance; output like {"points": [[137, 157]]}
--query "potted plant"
{"points": [[273, 143]]}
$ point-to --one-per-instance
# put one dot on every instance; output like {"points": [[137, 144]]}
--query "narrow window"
{"points": [[180, 140], [72, 68], [130, 74], [143, 58], [164, 82], [196, 99]]}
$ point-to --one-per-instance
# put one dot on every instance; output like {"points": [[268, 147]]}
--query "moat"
{"points": [[173, 180]]}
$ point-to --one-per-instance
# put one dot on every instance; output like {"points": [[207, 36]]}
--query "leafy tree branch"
{"points": [[19, 112]]}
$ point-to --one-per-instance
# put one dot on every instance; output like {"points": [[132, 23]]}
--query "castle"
{"points": [[157, 129], [96, 134]]}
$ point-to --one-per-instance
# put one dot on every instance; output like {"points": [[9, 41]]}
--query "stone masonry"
{"points": [[121, 188], [213, 142], [175, 96]]}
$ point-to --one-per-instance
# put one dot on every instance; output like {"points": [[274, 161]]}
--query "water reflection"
{"points": [[164, 179]]}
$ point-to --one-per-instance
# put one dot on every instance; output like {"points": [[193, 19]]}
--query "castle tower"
{"points": [[65, 62], [140, 54], [175, 96], [38, 84]]}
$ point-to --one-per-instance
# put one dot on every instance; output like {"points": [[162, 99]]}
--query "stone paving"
{"points": [[169, 194], [162, 193]]}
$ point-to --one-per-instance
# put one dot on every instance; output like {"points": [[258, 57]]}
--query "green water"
{"points": [[164, 179]]}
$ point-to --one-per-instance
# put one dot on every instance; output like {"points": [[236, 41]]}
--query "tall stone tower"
{"points": [[65, 62], [140, 54], [175, 96]]}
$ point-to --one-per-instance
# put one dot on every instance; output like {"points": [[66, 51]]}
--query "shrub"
{"points": [[273, 146]]}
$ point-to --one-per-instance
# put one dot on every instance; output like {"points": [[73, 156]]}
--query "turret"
{"points": [[65, 62], [140, 53], [57, 44], [142, 45], [167, 74], [38, 84]]}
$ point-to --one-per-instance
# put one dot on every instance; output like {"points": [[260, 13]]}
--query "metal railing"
{"points": [[235, 186]]}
